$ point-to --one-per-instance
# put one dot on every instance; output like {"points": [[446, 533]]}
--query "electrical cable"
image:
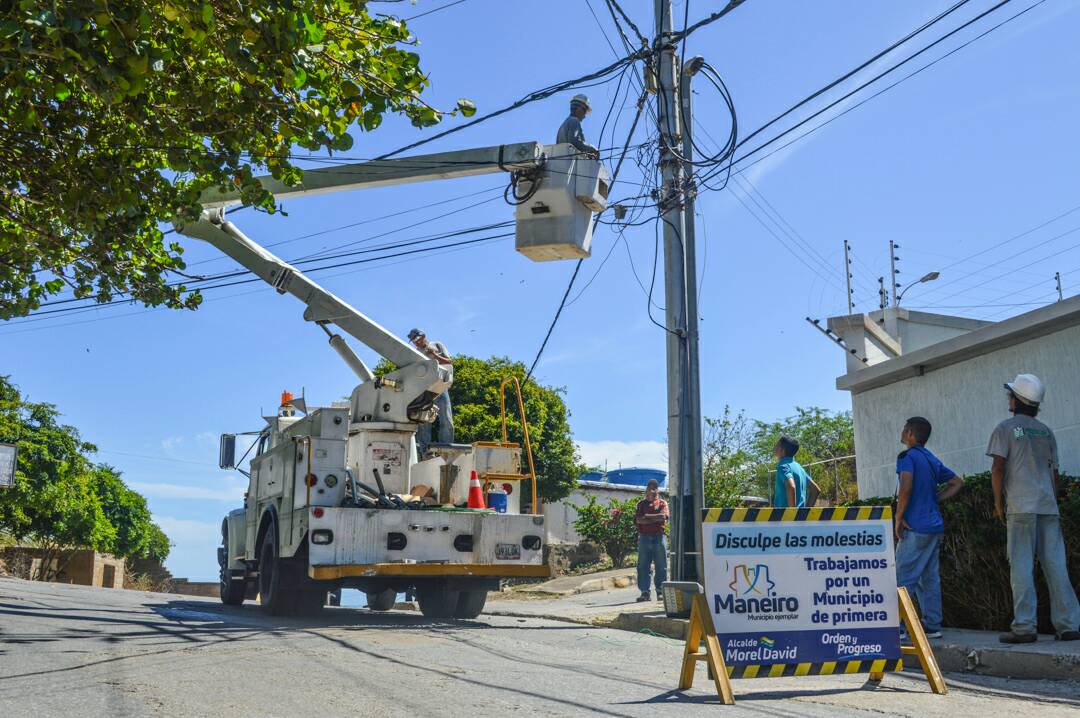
{"points": [[432, 10], [741, 158], [577, 266]]}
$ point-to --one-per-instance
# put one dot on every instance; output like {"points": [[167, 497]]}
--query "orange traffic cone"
{"points": [[476, 494]]}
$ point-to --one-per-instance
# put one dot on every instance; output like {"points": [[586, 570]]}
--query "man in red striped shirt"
{"points": [[651, 517]]}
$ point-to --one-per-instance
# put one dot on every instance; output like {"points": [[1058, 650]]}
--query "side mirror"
{"points": [[227, 451]]}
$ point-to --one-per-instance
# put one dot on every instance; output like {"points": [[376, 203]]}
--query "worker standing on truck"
{"points": [[438, 352], [570, 131]]}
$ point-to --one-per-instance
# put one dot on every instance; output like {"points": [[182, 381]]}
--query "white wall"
{"points": [[964, 402], [560, 517]]}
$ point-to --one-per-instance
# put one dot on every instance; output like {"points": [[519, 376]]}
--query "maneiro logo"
{"points": [[752, 580], [754, 595]]}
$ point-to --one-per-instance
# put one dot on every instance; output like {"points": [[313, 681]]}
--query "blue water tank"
{"points": [[630, 476]]}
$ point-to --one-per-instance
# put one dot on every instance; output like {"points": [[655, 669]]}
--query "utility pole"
{"points": [[893, 246], [1057, 278], [693, 568], [681, 421], [847, 274]]}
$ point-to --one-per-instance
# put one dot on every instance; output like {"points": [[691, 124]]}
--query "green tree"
{"points": [[474, 396], [729, 462], [137, 536], [826, 439], [117, 114], [61, 499], [610, 526], [738, 454]]}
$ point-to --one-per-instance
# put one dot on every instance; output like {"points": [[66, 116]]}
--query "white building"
{"points": [[952, 370]]}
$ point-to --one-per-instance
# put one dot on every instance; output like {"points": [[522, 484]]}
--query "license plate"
{"points": [[507, 551]]}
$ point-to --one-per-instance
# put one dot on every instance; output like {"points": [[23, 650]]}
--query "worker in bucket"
{"points": [[570, 131], [438, 352]]}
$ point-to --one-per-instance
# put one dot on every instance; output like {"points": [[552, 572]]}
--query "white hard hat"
{"points": [[1027, 388], [582, 100]]}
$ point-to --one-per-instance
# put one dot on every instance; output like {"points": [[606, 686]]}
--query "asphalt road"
{"points": [[76, 651]]}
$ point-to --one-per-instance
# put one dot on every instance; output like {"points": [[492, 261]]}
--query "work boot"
{"points": [[645, 596], [1069, 636], [1012, 637]]}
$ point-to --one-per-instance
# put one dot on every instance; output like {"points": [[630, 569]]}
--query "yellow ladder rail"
{"points": [[524, 428]]}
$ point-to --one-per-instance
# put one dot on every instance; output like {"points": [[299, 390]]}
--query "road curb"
{"points": [[1003, 662]]}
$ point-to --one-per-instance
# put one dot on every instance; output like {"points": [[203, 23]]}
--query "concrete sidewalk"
{"points": [[584, 583], [957, 651]]}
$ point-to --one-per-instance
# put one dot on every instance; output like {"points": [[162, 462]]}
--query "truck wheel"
{"points": [[232, 590], [277, 597], [382, 600], [437, 601], [470, 604]]}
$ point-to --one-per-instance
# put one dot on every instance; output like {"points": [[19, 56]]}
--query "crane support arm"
{"points": [[404, 170], [322, 306]]}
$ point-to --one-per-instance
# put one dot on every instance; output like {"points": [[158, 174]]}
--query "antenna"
{"points": [[893, 259], [847, 274]]}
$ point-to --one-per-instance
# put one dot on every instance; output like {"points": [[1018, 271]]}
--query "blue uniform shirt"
{"points": [[922, 513], [789, 468]]}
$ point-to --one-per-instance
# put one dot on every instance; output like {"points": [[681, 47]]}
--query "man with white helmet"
{"points": [[570, 131], [1025, 481]]}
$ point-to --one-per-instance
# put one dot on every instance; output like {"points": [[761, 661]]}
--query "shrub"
{"points": [[610, 526], [974, 564]]}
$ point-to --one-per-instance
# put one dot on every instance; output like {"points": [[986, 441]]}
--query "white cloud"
{"points": [[648, 454], [194, 552], [171, 442], [231, 490]]}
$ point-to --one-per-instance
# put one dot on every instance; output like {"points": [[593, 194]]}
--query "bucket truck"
{"points": [[337, 496]]}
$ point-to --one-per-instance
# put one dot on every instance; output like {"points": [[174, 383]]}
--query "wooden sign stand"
{"points": [[701, 629]]}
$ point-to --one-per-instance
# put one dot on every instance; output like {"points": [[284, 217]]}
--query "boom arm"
{"points": [[322, 306]]}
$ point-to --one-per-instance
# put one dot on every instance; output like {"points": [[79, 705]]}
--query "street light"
{"points": [[929, 277]]}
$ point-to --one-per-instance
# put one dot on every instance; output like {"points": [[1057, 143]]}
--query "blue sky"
{"points": [[957, 160]]}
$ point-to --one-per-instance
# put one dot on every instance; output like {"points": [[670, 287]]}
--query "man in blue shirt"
{"points": [[918, 522], [791, 478]]}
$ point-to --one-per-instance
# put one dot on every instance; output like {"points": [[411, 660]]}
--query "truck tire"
{"points": [[276, 595], [382, 600], [437, 601], [470, 604], [232, 591]]}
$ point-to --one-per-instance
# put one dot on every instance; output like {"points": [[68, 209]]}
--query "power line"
{"points": [[433, 10], [760, 147], [577, 266]]}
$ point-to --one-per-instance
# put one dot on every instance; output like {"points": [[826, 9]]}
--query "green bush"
{"points": [[974, 564], [610, 526]]}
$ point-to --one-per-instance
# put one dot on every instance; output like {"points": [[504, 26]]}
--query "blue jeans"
{"points": [[1031, 536], [445, 433], [651, 549], [918, 570]]}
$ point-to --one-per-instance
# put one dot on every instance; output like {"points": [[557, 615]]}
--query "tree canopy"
{"points": [[117, 114], [61, 498], [739, 461]]}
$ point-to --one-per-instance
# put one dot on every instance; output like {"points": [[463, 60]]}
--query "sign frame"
{"points": [[701, 628]]}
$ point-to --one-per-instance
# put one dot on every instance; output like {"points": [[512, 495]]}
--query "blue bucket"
{"points": [[496, 499]]}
